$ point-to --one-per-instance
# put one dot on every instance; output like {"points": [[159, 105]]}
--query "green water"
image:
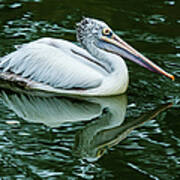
{"points": [[136, 135]]}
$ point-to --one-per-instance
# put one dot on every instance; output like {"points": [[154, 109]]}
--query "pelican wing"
{"points": [[52, 62]]}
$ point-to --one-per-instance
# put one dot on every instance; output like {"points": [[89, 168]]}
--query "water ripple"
{"points": [[105, 146]]}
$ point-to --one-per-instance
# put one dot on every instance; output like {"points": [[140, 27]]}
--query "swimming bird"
{"points": [[95, 69]]}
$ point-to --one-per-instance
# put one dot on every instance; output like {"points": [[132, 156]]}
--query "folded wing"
{"points": [[48, 62]]}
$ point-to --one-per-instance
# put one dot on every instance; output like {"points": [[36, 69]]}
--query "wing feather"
{"points": [[53, 64]]}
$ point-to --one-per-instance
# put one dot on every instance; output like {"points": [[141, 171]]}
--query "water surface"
{"points": [[134, 135]]}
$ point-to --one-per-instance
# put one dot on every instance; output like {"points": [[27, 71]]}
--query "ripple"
{"points": [[2, 6], [25, 29], [36, 151], [156, 19], [171, 3], [15, 5], [32, 1], [142, 171]]}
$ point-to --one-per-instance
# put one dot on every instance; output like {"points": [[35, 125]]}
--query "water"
{"points": [[134, 135]]}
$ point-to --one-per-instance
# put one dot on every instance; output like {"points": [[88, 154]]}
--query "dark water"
{"points": [[131, 136]]}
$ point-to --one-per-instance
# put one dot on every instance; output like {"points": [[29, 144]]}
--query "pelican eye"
{"points": [[107, 32]]}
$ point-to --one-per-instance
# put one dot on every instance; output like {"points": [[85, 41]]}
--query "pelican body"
{"points": [[59, 66]]}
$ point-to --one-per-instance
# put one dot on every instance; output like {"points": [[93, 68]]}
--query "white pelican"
{"points": [[59, 66]]}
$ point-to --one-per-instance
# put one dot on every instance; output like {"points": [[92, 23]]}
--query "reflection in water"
{"points": [[54, 111], [97, 136], [34, 151], [106, 128]]}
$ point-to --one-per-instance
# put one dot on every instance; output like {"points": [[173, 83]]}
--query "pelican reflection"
{"points": [[106, 125], [53, 111]]}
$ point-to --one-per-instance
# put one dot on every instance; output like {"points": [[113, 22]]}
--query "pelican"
{"points": [[58, 66]]}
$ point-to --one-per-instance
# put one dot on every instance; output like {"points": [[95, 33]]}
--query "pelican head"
{"points": [[96, 35]]}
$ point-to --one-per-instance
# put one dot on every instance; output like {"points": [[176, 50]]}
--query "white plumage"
{"points": [[53, 65], [59, 66]]}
